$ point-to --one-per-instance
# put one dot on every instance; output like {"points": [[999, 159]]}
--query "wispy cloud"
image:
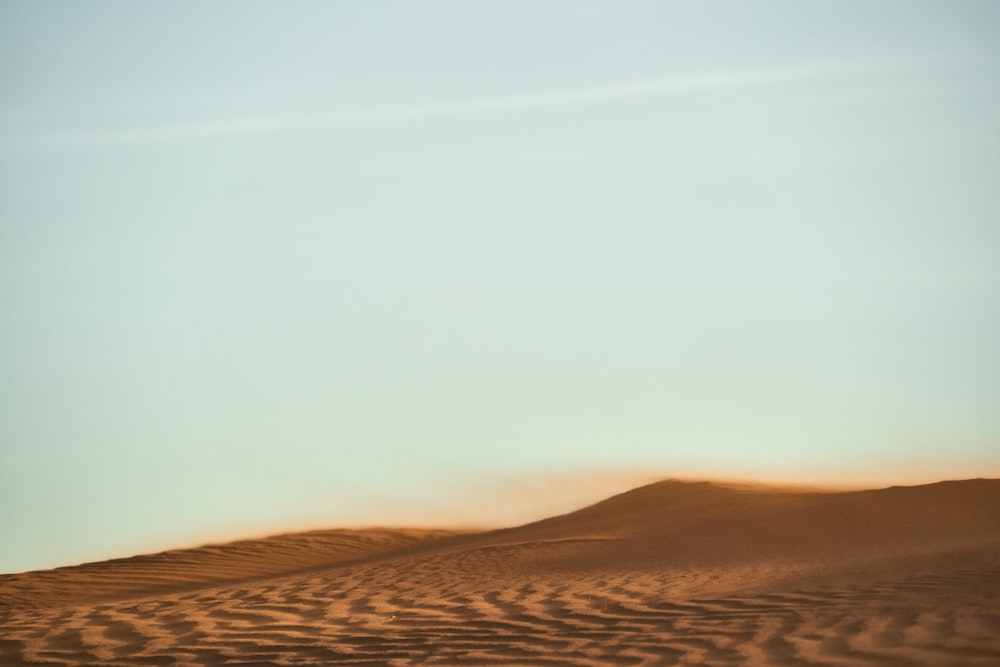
{"points": [[536, 101]]}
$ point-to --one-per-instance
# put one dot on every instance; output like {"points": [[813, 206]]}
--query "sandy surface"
{"points": [[671, 573]]}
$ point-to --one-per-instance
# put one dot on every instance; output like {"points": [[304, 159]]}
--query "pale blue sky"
{"points": [[315, 263]]}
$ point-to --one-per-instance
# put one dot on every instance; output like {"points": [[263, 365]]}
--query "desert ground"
{"points": [[675, 572]]}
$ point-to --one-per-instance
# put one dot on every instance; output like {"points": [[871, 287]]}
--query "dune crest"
{"points": [[670, 573]]}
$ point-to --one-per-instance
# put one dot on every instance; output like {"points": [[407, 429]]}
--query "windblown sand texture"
{"points": [[671, 573]]}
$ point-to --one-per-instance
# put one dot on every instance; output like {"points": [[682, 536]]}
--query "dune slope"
{"points": [[186, 569], [671, 573], [674, 524]]}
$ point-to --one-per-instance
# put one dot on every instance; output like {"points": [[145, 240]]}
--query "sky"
{"points": [[272, 265]]}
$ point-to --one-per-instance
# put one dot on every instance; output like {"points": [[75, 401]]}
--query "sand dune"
{"points": [[670, 573], [186, 569]]}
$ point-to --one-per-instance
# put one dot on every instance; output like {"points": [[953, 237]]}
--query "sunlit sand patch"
{"points": [[672, 573]]}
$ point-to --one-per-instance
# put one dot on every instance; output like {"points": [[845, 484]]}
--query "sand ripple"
{"points": [[498, 599]]}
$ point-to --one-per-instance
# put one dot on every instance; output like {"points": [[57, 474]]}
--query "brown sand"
{"points": [[671, 573]]}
